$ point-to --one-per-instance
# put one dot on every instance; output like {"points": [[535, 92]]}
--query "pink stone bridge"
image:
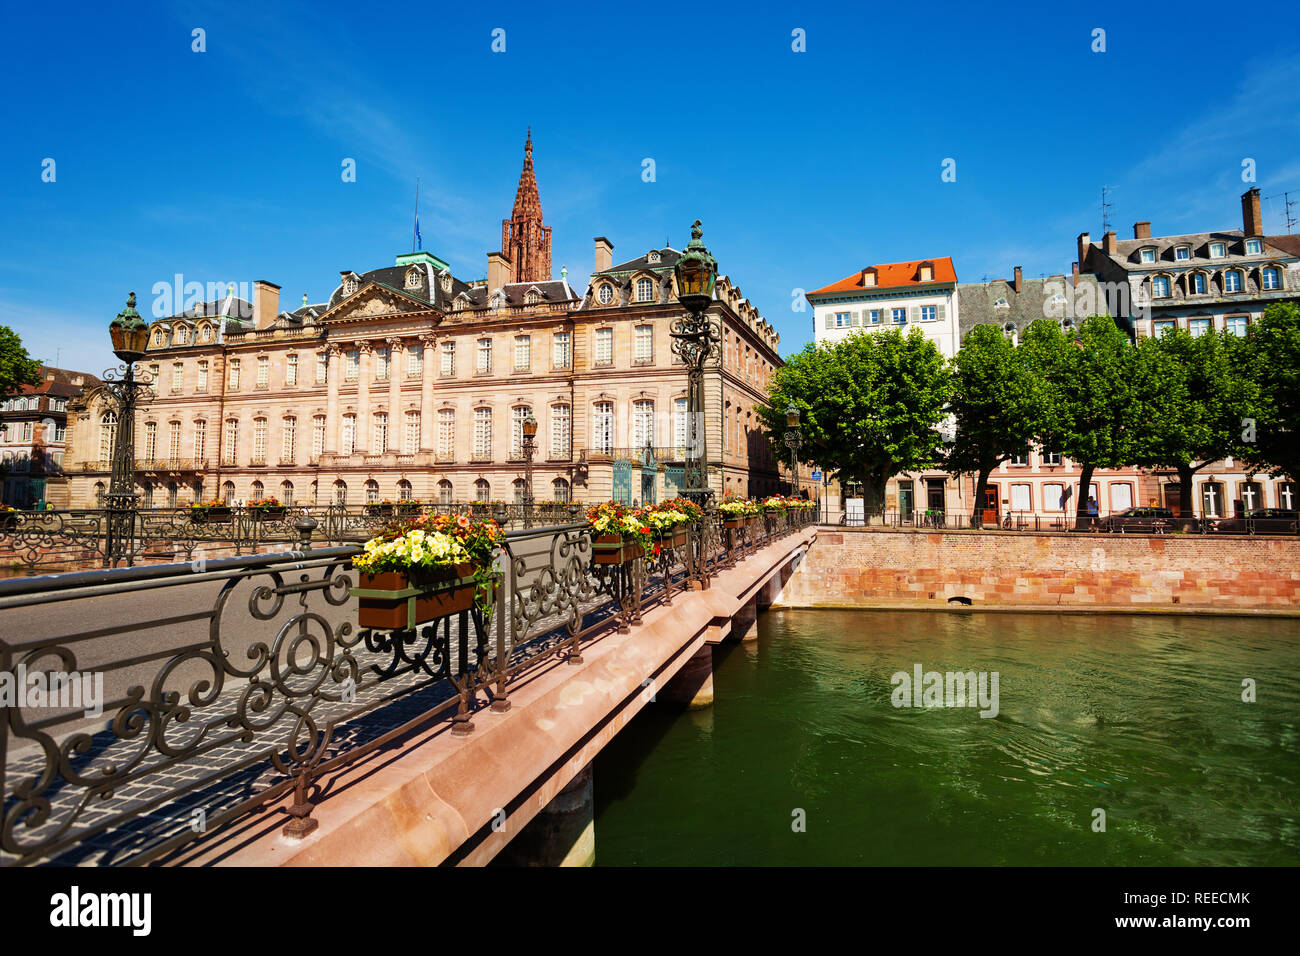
{"points": [[519, 787]]}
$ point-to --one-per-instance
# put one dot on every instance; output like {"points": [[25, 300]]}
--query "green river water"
{"points": [[1141, 717]]}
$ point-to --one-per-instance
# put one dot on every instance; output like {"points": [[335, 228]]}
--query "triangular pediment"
{"points": [[373, 300]]}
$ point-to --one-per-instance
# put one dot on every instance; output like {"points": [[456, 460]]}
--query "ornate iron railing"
{"points": [[226, 684]]}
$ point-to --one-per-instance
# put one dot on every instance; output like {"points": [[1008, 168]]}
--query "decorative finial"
{"points": [[696, 231], [304, 299], [130, 299]]}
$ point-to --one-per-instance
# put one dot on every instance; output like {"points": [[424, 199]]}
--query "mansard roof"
{"points": [[394, 278], [551, 291], [893, 275], [667, 260]]}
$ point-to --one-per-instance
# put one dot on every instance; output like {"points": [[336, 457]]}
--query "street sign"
{"points": [[816, 476]]}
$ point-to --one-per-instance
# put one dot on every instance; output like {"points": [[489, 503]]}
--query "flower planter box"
{"points": [[381, 510], [674, 538], [612, 549], [733, 524], [274, 513], [390, 600], [751, 520], [211, 515]]}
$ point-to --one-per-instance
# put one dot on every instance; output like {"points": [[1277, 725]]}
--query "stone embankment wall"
{"points": [[852, 567]]}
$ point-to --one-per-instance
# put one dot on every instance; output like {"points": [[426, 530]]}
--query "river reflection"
{"points": [[1141, 717]]}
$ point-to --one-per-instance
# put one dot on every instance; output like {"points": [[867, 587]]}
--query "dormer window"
{"points": [[497, 300], [158, 337], [925, 273], [1196, 283], [182, 335], [644, 290], [205, 334], [605, 294], [1254, 247], [444, 282], [1183, 252], [1001, 304], [652, 257], [1218, 250], [350, 286], [1271, 278], [413, 278], [1148, 254], [1160, 287], [869, 277], [1232, 281], [532, 297]]}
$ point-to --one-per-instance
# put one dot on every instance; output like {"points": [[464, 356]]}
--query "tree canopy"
{"points": [[17, 368]]}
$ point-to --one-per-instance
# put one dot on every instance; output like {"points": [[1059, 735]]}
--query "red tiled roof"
{"points": [[894, 274]]}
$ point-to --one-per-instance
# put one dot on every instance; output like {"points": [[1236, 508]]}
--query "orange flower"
{"points": [[462, 522]]}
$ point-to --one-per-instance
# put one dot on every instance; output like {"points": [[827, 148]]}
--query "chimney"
{"points": [[604, 254], [1252, 221], [1015, 283], [1108, 244], [1084, 241], [1142, 230], [499, 273], [1074, 272], [266, 303]]}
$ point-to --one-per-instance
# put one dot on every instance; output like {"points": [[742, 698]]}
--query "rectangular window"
{"points": [[349, 436], [263, 371], [680, 432], [1020, 498], [1022, 457], [230, 446], [381, 434], [259, 441], [1217, 250], [517, 416], [841, 320], [150, 438], [1121, 496], [351, 364], [322, 367], [153, 380], [561, 350], [523, 353], [643, 418], [602, 427], [288, 441], [483, 366], [1160, 287], [200, 440], [1052, 493], [875, 316], [1235, 324], [291, 370], [60, 432], [178, 376], [1272, 279], [929, 313], [482, 434], [446, 434], [900, 316], [561, 431], [381, 364], [1182, 252], [233, 383], [414, 361], [173, 440], [1197, 283], [411, 434], [644, 343], [604, 346], [1161, 325], [1148, 255], [1198, 327], [1232, 281], [1051, 457], [1253, 247], [448, 366], [317, 436]]}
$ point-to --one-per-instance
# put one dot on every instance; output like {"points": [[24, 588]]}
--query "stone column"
{"points": [[332, 401], [395, 373], [427, 424], [693, 684], [562, 834], [363, 399]]}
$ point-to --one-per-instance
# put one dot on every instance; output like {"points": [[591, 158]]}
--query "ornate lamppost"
{"points": [[130, 336], [529, 448], [694, 339], [793, 441]]}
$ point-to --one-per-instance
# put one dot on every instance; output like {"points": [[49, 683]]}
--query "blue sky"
{"points": [[804, 166]]}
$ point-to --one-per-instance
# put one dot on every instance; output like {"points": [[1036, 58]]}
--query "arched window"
{"points": [[521, 490], [340, 492], [228, 492], [444, 492], [99, 494], [532, 297], [404, 490], [173, 494], [257, 492], [107, 435], [644, 290], [560, 490], [286, 492], [605, 294], [1232, 281], [482, 490], [147, 488], [372, 491], [1271, 278]]}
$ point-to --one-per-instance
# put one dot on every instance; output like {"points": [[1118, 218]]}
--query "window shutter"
{"points": [[830, 320], [942, 312], [915, 314], [857, 318]]}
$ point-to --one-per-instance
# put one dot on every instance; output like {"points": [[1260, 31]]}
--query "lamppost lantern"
{"points": [[530, 426], [129, 333], [793, 441], [696, 272], [791, 416]]}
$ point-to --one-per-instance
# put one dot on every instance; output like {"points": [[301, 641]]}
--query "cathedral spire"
{"points": [[524, 238]]}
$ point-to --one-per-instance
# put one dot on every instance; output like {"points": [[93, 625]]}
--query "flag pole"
{"points": [[415, 225]]}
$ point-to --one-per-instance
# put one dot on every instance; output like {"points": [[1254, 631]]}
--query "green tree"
{"points": [[1086, 395], [1273, 354], [17, 368], [996, 401], [1199, 392], [869, 405]]}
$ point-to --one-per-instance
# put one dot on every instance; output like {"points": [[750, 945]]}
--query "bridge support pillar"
{"points": [[744, 626], [562, 834], [693, 684]]}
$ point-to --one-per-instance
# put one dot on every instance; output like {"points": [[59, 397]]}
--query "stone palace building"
{"points": [[411, 383]]}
